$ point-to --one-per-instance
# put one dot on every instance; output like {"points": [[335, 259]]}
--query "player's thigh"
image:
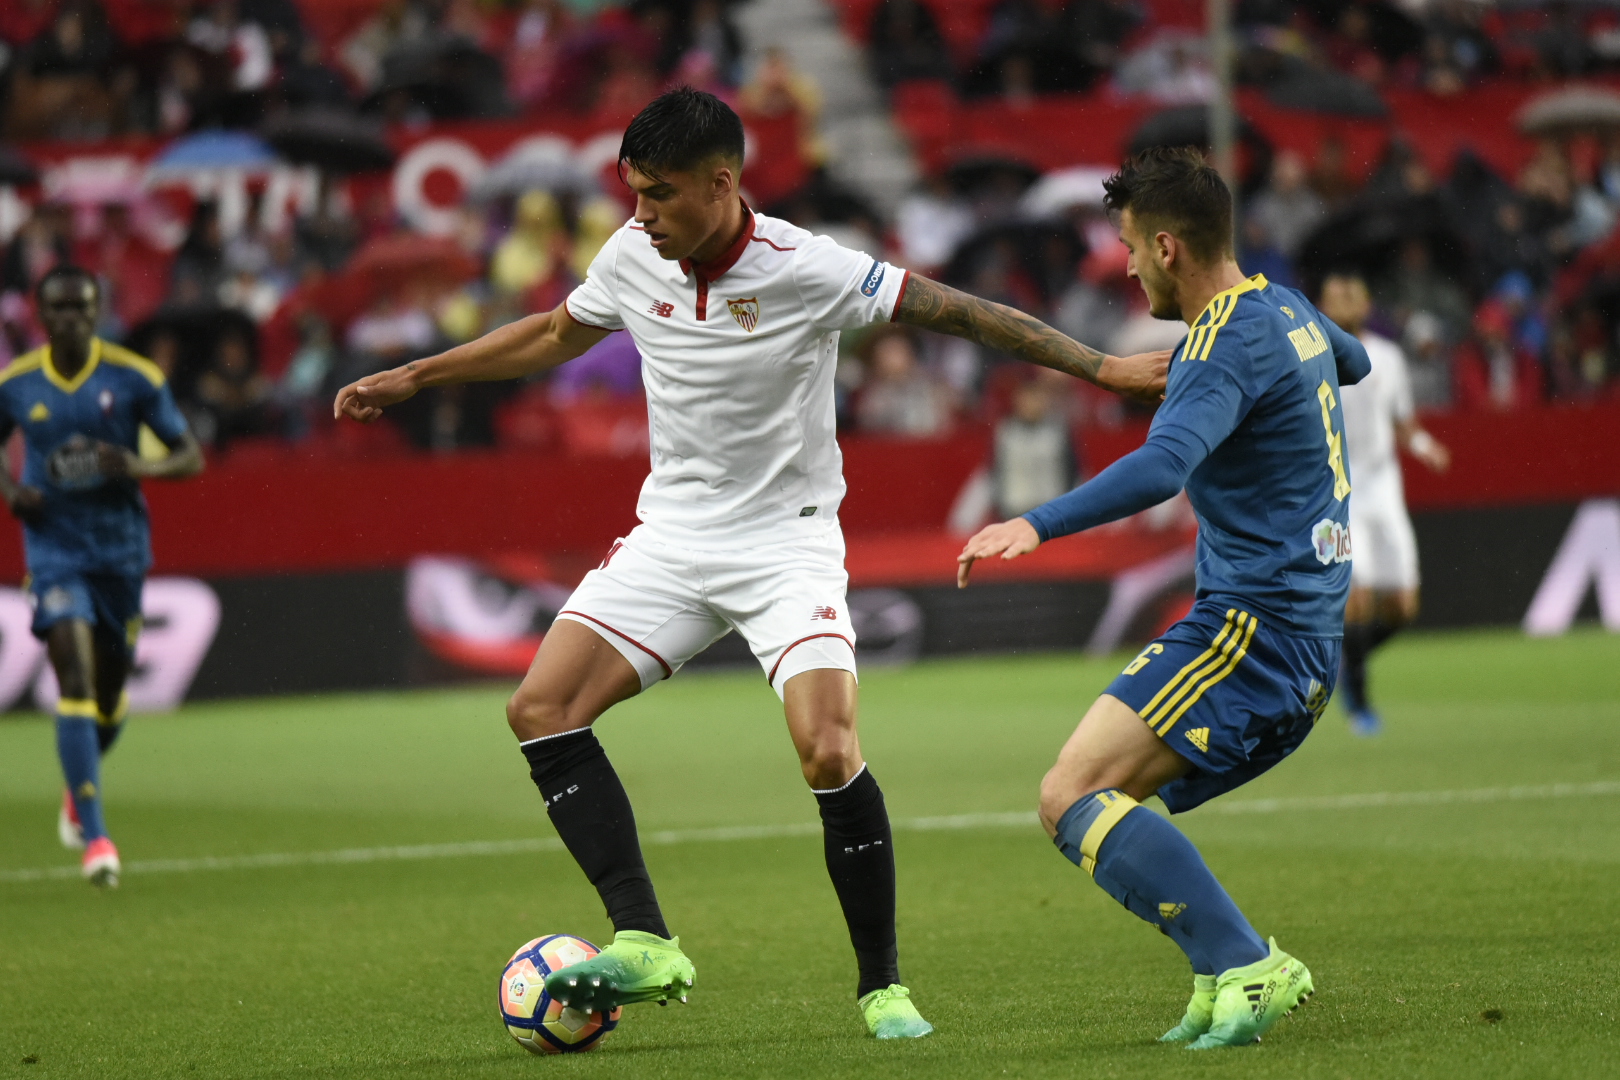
{"points": [[116, 599], [820, 705], [789, 602], [1111, 748], [575, 677], [64, 617]]}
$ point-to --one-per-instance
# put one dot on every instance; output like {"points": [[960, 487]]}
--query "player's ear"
{"points": [[1167, 248], [724, 182]]}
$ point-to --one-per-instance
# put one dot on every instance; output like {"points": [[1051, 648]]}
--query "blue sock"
{"points": [[80, 751], [1145, 863]]}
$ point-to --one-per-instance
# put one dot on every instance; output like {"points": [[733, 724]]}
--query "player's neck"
{"points": [[1203, 283], [68, 358], [720, 241]]}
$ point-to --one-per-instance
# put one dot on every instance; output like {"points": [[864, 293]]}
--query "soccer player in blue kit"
{"points": [[1251, 428], [81, 403]]}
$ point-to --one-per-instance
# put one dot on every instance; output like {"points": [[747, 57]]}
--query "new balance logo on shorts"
{"points": [[824, 613], [662, 309]]}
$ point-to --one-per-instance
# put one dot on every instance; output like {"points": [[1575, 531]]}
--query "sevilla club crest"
{"points": [[746, 312]]}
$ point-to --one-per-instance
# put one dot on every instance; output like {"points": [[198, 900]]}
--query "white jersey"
{"points": [[738, 359], [1372, 408]]}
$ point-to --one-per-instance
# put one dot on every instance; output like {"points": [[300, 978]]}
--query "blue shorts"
{"points": [[111, 603], [1229, 694]]}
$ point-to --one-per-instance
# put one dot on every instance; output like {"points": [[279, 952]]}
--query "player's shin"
{"points": [[860, 861], [1145, 863], [591, 812], [77, 748], [111, 725]]}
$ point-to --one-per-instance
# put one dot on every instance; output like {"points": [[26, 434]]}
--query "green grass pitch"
{"points": [[1471, 933]]}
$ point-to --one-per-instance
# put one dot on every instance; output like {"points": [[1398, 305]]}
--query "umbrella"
{"points": [[406, 256], [332, 139], [1367, 236], [15, 169], [545, 163], [1313, 89], [1569, 111], [1062, 189], [1182, 125], [974, 171], [213, 150]]}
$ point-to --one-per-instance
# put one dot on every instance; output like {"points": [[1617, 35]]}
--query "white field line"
{"points": [[1014, 819]]}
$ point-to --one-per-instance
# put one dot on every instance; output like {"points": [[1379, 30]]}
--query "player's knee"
{"points": [[1060, 789], [829, 761], [534, 715]]}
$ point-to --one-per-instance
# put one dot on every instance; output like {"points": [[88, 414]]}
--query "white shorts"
{"points": [[661, 605], [1384, 553]]}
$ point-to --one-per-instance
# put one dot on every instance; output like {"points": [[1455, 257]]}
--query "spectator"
{"points": [[134, 272], [1092, 31], [1172, 69], [905, 43], [242, 44], [931, 222], [1261, 255], [711, 33], [41, 243], [1286, 208], [1415, 285], [536, 44], [307, 81], [531, 253], [199, 265], [235, 393], [782, 110], [1034, 457], [1491, 371], [898, 396], [1429, 360], [57, 90], [1330, 174]]}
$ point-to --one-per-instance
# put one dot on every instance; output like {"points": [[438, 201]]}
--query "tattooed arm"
{"points": [[941, 308]]}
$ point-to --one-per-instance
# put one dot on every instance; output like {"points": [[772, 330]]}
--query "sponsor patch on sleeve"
{"points": [[874, 278], [1331, 541]]}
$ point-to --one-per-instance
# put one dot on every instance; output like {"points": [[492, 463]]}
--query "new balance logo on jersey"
{"points": [[1199, 737], [662, 309], [824, 613]]}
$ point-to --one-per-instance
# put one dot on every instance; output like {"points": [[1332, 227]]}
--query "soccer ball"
{"points": [[539, 1024]]}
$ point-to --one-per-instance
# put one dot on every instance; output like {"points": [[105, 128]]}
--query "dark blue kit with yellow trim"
{"points": [[1228, 693], [92, 545]]}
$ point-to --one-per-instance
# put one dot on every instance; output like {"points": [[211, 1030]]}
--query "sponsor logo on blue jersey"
{"points": [[874, 278]]}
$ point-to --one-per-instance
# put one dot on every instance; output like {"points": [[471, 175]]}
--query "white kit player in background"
{"points": [[737, 317], [1378, 420]]}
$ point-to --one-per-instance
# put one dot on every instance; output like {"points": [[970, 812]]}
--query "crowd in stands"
{"points": [[1504, 290]]}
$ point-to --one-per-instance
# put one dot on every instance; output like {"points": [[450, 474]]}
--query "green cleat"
{"points": [[1200, 1011], [1250, 999], [636, 967], [889, 1014]]}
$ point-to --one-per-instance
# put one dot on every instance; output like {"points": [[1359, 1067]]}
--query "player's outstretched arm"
{"points": [[512, 351], [25, 503], [941, 308]]}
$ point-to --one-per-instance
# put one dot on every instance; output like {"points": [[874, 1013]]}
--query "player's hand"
{"points": [[1140, 376], [115, 462], [28, 505], [1432, 453], [1009, 539], [365, 399]]}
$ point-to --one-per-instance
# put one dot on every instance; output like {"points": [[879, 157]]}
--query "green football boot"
{"points": [[1250, 999], [889, 1014], [1200, 1012], [636, 967]]}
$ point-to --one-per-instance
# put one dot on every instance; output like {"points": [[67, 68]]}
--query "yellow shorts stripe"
{"points": [[1116, 804], [1220, 660], [1191, 667], [1227, 669], [76, 707]]}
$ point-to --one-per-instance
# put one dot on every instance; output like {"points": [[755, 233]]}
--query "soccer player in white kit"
{"points": [[1378, 418], [736, 316]]}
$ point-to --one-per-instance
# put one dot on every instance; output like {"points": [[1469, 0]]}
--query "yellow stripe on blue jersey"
{"points": [[68, 386], [28, 361], [1215, 315], [117, 354]]}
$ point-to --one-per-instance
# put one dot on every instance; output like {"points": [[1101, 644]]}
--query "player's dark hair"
{"points": [[680, 130], [1178, 192], [66, 270]]}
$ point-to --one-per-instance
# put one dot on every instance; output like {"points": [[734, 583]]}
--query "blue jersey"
{"points": [[1251, 427], [90, 524]]}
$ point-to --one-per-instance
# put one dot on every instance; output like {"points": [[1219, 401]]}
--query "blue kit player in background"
{"points": [[80, 403], [1251, 428]]}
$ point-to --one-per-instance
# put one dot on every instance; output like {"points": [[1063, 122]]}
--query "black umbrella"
{"points": [[1367, 236], [1188, 125], [15, 169], [1313, 89], [973, 172], [331, 139]]}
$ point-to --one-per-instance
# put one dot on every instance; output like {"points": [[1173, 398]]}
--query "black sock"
{"points": [[1353, 672], [107, 734], [1380, 632], [860, 861], [592, 814]]}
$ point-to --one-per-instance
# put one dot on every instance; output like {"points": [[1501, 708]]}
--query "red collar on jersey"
{"points": [[728, 258]]}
